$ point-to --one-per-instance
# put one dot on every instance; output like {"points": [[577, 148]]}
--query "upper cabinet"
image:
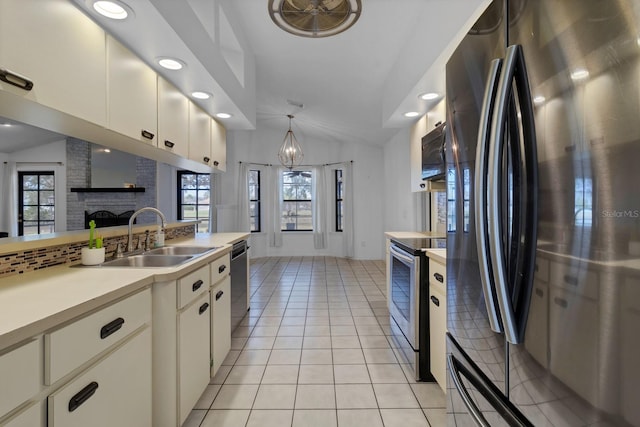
{"points": [[173, 119], [57, 48], [218, 146], [132, 94], [199, 135]]}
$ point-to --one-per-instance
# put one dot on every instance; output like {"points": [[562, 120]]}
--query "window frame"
{"points": [[258, 215], [180, 204], [296, 201], [21, 204], [339, 200]]}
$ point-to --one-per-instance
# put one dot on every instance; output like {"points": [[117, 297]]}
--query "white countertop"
{"points": [[34, 302], [414, 235], [439, 255]]}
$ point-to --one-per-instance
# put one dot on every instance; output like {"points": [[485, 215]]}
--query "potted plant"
{"points": [[94, 254]]}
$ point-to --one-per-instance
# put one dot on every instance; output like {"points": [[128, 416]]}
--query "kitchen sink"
{"points": [[181, 250], [142, 261]]}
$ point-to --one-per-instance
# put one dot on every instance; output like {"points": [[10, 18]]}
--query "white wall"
{"points": [[261, 146]]}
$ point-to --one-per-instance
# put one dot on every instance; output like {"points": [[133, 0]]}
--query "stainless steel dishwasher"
{"points": [[239, 281]]}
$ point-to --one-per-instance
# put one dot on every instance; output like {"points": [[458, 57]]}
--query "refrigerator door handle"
{"points": [[454, 369], [513, 68], [480, 195], [504, 408]]}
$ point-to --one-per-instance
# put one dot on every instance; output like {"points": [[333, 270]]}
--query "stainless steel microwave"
{"points": [[433, 157]]}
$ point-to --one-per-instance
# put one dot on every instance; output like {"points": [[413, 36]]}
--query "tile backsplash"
{"points": [[36, 259]]}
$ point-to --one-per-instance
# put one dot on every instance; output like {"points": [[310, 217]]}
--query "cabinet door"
{"points": [[60, 50], [193, 354], [33, 416], [199, 135], [20, 373], [220, 323], [114, 392], [132, 94], [173, 119], [437, 331], [218, 146]]}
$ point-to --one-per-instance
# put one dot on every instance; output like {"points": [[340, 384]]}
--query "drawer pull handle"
{"points": [[82, 396], [571, 280], [539, 292], [222, 268], [439, 277], [561, 302], [435, 300], [203, 308], [146, 134], [168, 143], [206, 159], [15, 79], [219, 295], [196, 285], [111, 327], [216, 163]]}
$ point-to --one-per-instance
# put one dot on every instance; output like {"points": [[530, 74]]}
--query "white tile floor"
{"points": [[313, 351]]}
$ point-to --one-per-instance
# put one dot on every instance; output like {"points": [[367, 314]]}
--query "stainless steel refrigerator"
{"points": [[543, 209]]}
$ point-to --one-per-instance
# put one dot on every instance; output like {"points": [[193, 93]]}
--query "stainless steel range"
{"points": [[409, 303]]}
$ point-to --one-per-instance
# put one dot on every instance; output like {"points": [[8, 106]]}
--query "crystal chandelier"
{"points": [[290, 153]]}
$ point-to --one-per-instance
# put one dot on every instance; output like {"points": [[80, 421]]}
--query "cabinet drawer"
{"points": [[192, 286], [220, 268], [71, 346], [437, 273], [114, 392], [576, 279], [20, 373]]}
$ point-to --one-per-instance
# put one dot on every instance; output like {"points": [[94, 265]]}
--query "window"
{"points": [[583, 202], [296, 206], [36, 203], [339, 201], [194, 195], [254, 200], [466, 198]]}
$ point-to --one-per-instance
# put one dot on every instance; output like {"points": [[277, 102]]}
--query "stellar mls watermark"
{"points": [[631, 213]]}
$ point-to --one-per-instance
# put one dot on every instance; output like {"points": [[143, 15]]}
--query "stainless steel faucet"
{"points": [[133, 217]]}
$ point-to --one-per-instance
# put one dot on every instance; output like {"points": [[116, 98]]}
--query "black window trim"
{"points": [[310, 200], [339, 200], [21, 174], [179, 193], [258, 203]]}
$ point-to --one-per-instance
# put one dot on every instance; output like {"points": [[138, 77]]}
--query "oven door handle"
{"points": [[400, 255]]}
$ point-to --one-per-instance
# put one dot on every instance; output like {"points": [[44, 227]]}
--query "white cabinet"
{"points": [[21, 375], [114, 392], [199, 134], [32, 416], [218, 146], [173, 119], [193, 353], [438, 322], [181, 345], [220, 323], [71, 346], [132, 94], [60, 50]]}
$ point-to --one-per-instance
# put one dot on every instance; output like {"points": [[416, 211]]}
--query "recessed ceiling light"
{"points": [[223, 115], [201, 95], [6, 125], [579, 74], [171, 63], [411, 114], [112, 9], [106, 150], [539, 99], [429, 96]]}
